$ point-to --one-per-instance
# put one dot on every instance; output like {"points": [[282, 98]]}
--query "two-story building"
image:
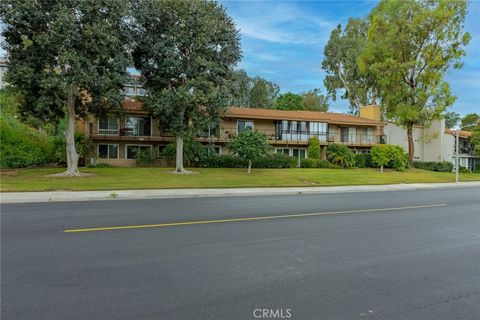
{"points": [[116, 137]]}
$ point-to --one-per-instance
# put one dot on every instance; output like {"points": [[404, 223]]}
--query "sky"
{"points": [[283, 42]]}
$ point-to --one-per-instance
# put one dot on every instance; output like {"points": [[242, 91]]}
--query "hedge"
{"points": [[443, 166], [231, 161], [317, 163]]}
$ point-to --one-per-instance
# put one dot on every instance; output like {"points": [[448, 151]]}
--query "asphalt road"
{"points": [[421, 262]]}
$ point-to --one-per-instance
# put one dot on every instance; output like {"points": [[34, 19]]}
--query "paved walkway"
{"points": [[27, 197]]}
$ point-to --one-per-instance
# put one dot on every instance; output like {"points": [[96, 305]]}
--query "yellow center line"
{"points": [[185, 223]]}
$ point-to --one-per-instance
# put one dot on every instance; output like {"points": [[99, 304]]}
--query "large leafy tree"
{"points": [[340, 64], [66, 55], [240, 88], [185, 52], [289, 101], [410, 46], [263, 93], [314, 100]]}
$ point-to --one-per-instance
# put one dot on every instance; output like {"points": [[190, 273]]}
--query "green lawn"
{"points": [[157, 178]]}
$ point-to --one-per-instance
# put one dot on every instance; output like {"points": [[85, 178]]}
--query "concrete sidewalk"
{"points": [[55, 196]]}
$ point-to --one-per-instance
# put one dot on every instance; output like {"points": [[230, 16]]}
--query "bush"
{"points": [[99, 165], [313, 150], [231, 161], [146, 157], [390, 156], [317, 163], [340, 155], [363, 160], [192, 150], [82, 145], [444, 166], [21, 145]]}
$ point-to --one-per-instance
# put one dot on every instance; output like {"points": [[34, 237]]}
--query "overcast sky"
{"points": [[283, 42]]}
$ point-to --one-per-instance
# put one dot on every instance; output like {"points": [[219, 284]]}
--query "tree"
{"points": [[250, 145], [389, 155], [185, 52], [475, 140], [314, 100], [289, 101], [469, 119], [410, 46], [313, 150], [340, 64], [263, 94], [451, 119], [240, 89], [66, 55]]}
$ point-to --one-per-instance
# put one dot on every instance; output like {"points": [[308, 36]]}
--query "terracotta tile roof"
{"points": [[133, 105], [330, 117], [461, 133]]}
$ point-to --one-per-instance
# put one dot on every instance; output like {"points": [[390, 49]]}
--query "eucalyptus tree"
{"points": [[410, 46], [66, 56], [186, 52], [340, 64]]}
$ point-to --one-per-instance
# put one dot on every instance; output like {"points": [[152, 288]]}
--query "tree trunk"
{"points": [[249, 165], [411, 147], [179, 155], [381, 168], [72, 155]]}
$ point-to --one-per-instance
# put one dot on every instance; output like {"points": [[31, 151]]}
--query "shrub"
{"points": [[192, 150], [317, 163], [99, 165], [146, 157], [363, 160], [313, 150], [82, 145], [231, 161], [21, 145], [340, 155], [308, 163], [444, 166], [390, 156]]}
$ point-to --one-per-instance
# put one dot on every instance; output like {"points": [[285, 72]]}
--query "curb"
{"points": [[62, 196]]}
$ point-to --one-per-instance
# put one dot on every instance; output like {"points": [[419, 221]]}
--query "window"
{"points": [[108, 125], [137, 126], [244, 125], [108, 151], [129, 91], [141, 91], [283, 151], [133, 149]]}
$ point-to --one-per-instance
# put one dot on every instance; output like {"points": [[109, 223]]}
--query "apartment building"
{"points": [[117, 137]]}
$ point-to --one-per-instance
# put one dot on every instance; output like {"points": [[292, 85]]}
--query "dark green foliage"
{"points": [[250, 145], [263, 93], [317, 163], [363, 160], [389, 156], [231, 161], [22, 146], [192, 150], [146, 157], [289, 101], [314, 100], [444, 166], [99, 165], [451, 119], [469, 119], [313, 150], [82, 144], [340, 155]]}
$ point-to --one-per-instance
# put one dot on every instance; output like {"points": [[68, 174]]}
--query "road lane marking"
{"points": [[185, 223]]}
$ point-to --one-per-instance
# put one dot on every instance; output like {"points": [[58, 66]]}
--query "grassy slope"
{"points": [[156, 178]]}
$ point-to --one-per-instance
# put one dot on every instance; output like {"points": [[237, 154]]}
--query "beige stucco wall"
{"points": [[398, 135]]}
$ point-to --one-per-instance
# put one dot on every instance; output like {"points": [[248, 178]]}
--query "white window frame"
{"points": [[109, 134], [253, 124], [280, 148], [135, 145], [108, 152]]}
